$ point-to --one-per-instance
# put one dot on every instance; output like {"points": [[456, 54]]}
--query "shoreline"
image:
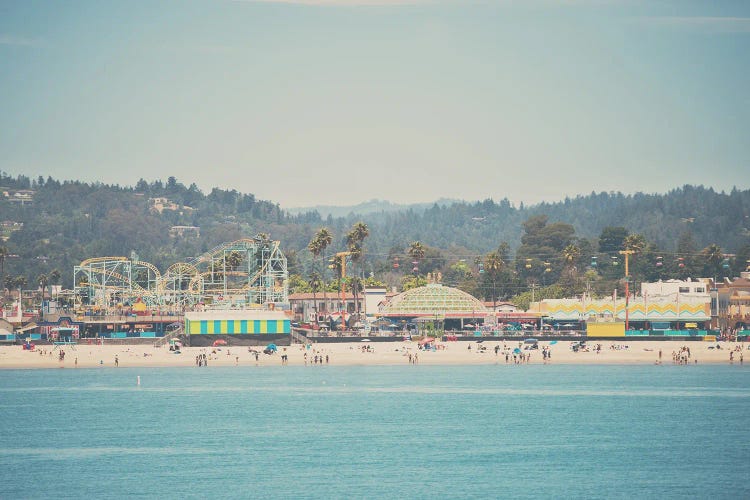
{"points": [[375, 354]]}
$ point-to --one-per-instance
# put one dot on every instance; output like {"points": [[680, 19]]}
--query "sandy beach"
{"points": [[372, 353]]}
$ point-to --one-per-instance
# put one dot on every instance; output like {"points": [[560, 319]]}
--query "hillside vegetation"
{"points": [[69, 221]]}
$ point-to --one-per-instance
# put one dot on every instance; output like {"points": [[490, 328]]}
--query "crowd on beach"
{"points": [[315, 359], [379, 353], [681, 356]]}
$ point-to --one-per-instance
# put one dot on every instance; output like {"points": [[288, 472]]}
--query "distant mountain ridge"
{"points": [[373, 206]]}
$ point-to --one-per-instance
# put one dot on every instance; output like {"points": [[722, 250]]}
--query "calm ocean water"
{"points": [[364, 432]]}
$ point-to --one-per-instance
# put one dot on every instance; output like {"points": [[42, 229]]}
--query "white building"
{"points": [[698, 287]]}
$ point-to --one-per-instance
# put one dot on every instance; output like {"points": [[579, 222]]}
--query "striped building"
{"points": [[242, 327]]}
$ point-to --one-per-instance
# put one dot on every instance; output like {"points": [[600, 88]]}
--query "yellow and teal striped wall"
{"points": [[238, 326]]}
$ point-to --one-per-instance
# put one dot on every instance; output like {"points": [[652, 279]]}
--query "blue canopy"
{"points": [[272, 347], [516, 351]]}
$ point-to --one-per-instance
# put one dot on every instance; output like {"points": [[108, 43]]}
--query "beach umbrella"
{"points": [[365, 340], [271, 347], [553, 342], [427, 340], [516, 351]]}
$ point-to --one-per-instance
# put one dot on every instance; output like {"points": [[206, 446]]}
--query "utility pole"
{"points": [[627, 253]]}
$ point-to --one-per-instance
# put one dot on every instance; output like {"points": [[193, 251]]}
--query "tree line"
{"points": [[494, 250]]}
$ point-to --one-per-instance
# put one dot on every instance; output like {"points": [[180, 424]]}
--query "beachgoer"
{"points": [[117, 361]]}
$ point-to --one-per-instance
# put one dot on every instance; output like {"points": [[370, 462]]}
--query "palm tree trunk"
{"points": [[315, 305], [356, 298]]}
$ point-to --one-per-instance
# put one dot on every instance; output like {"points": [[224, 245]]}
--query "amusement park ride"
{"points": [[241, 273]]}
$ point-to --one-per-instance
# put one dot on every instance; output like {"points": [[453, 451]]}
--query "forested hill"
{"points": [[711, 217], [68, 221]]}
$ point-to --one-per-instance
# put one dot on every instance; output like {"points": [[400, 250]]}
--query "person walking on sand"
{"points": [[117, 361]]}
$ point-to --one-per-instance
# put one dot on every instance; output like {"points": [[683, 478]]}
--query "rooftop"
{"points": [[433, 299]]}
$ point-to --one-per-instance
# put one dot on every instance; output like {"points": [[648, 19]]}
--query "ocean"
{"points": [[486, 431]]}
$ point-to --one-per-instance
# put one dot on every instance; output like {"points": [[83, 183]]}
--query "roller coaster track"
{"points": [[185, 282], [96, 260]]}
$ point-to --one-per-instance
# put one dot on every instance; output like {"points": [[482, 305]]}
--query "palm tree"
{"points": [[416, 251], [9, 282], [317, 246], [19, 282], [571, 254], [360, 231], [233, 260], [354, 240], [634, 242], [54, 277], [493, 264], [315, 283], [712, 257], [42, 279]]}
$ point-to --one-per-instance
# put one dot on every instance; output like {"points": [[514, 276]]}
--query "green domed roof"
{"points": [[432, 299]]}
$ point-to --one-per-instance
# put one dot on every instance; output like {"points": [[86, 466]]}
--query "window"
{"points": [[700, 290], [684, 289]]}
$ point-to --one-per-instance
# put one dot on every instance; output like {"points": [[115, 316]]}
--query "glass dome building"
{"points": [[434, 301]]}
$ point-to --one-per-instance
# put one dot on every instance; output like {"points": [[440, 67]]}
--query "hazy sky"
{"points": [[335, 101]]}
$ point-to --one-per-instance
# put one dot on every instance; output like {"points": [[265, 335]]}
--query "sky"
{"points": [[306, 102]]}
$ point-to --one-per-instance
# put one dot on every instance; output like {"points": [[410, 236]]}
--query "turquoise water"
{"points": [[364, 432]]}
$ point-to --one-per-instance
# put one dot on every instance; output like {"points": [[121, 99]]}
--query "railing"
{"points": [[298, 337], [174, 334]]}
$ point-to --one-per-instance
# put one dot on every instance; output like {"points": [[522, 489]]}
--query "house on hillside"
{"points": [[8, 227], [19, 196], [184, 231]]}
